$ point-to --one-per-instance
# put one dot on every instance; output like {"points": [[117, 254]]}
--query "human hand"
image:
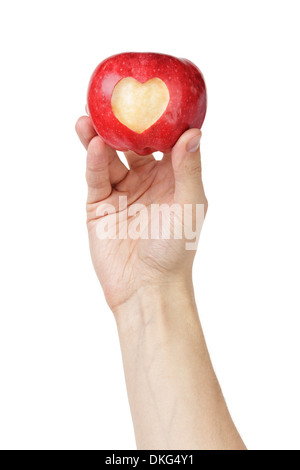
{"points": [[125, 265], [175, 398]]}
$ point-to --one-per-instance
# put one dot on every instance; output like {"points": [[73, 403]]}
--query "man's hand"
{"points": [[125, 265], [175, 398]]}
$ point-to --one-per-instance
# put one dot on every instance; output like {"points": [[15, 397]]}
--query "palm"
{"points": [[117, 261], [125, 263]]}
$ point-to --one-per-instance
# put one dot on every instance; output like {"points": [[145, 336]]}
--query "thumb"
{"points": [[186, 162]]}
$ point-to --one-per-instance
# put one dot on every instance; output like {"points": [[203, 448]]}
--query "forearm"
{"points": [[175, 398]]}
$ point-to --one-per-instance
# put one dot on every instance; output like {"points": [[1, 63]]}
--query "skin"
{"points": [[175, 398]]}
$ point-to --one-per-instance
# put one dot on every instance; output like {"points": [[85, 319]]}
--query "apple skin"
{"points": [[186, 108]]}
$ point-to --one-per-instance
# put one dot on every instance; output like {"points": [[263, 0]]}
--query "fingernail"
{"points": [[194, 144]]}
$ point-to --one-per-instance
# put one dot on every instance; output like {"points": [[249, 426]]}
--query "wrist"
{"points": [[157, 305]]}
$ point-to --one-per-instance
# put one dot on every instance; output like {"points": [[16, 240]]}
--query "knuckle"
{"points": [[194, 170], [206, 205], [78, 123]]}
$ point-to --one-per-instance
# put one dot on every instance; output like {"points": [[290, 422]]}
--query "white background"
{"points": [[61, 375]]}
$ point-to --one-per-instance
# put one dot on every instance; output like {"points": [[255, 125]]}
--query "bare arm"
{"points": [[175, 399]]}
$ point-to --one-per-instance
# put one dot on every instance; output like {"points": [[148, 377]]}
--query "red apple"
{"points": [[145, 101]]}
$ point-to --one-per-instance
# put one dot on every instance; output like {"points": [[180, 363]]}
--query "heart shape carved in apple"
{"points": [[139, 105]]}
